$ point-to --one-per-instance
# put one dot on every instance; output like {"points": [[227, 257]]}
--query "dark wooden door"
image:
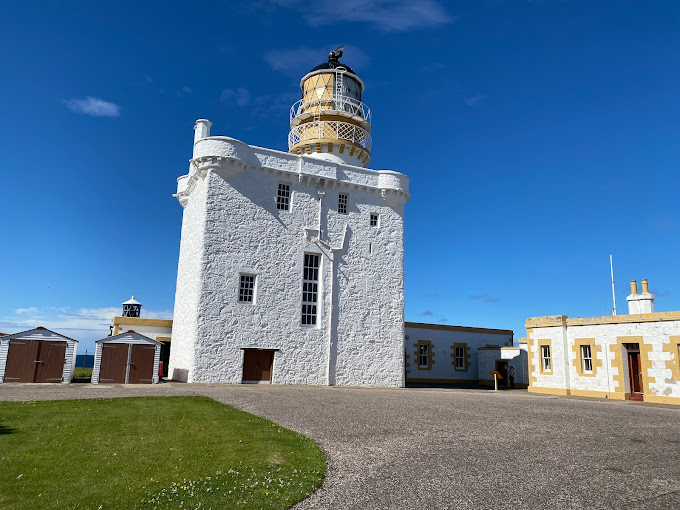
{"points": [[636, 385], [257, 365], [22, 360], [113, 363], [52, 356], [502, 368], [141, 364]]}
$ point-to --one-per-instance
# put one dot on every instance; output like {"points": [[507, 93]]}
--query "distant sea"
{"points": [[85, 360]]}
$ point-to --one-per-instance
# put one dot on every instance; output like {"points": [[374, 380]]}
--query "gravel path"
{"points": [[443, 448]]}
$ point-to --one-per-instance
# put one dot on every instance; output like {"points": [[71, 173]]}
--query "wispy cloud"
{"points": [[485, 297], [31, 310], [474, 100], [385, 15], [93, 106], [433, 67], [239, 96], [85, 324], [433, 316], [296, 61]]}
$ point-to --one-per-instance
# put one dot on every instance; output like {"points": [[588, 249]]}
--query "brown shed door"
{"points": [[141, 364], [22, 360], [257, 365], [52, 356], [113, 363]]}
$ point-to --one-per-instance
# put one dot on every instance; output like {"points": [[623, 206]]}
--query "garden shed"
{"points": [[127, 358], [37, 355]]}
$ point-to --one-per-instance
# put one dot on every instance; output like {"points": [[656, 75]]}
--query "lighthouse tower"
{"points": [[291, 264], [330, 122]]}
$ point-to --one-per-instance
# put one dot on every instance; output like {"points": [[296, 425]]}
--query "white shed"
{"points": [[127, 358], [37, 355]]}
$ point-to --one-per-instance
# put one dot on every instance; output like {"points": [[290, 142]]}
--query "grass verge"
{"points": [[154, 452], [82, 373]]}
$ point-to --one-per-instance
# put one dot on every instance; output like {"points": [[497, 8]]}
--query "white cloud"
{"points": [[93, 106], [474, 100], [386, 15], [240, 96], [83, 324], [32, 310], [296, 61]]}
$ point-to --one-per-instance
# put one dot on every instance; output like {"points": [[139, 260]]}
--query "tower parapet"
{"points": [[330, 121]]}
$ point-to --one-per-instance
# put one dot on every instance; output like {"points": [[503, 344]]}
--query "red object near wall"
{"points": [[160, 370]]}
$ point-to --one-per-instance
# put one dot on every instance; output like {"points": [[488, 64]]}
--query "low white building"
{"points": [[126, 358], [632, 356], [441, 354]]}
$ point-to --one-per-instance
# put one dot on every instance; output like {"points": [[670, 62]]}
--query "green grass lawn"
{"points": [[81, 372], [157, 452]]}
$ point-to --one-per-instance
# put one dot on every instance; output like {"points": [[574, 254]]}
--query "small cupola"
{"points": [[330, 122], [132, 307]]}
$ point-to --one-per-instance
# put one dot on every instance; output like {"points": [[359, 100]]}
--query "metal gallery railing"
{"points": [[330, 129], [343, 104]]}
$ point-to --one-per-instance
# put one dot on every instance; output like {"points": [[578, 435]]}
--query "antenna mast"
{"points": [[611, 267]]}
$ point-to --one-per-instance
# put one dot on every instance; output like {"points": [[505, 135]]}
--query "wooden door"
{"points": [[257, 365], [635, 374], [113, 365], [22, 360], [52, 356], [141, 364]]}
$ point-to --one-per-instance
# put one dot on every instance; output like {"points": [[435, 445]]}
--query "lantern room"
{"points": [[330, 121]]}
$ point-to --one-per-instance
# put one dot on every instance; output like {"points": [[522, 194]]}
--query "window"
{"points": [[586, 358], [246, 290], [342, 203], [459, 359], [283, 197], [310, 288], [374, 219], [423, 355], [545, 358]]}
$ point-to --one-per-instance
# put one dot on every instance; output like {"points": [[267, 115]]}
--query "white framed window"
{"points": [[545, 358], [459, 357], [283, 197], [375, 220], [246, 289], [423, 355], [586, 359], [343, 199], [310, 289]]}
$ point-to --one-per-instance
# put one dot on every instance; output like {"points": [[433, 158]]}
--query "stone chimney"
{"points": [[202, 129], [640, 303]]}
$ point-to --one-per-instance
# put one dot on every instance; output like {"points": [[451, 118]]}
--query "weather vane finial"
{"points": [[334, 56]]}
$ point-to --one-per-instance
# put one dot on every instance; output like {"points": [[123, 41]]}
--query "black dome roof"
{"points": [[333, 64]]}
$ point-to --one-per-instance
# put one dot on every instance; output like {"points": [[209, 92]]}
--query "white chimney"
{"points": [[640, 303], [202, 129]]}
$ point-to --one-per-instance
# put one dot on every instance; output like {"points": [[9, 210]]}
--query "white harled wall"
{"points": [[231, 226]]}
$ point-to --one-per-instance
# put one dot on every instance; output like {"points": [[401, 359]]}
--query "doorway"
{"points": [[35, 361], [258, 365], [635, 372], [502, 368]]}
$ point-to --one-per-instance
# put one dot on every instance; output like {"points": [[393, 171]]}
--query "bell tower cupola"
{"points": [[331, 122]]}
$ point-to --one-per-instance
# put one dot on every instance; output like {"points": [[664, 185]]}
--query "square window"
{"points": [[283, 197], [374, 219], [343, 198], [586, 359], [246, 290]]}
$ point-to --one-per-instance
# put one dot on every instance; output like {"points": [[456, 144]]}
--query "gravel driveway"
{"points": [[444, 448]]}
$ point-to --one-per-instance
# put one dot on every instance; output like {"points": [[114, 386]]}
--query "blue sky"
{"points": [[539, 136]]}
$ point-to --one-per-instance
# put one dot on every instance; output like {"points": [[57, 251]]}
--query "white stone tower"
{"points": [[291, 266]]}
